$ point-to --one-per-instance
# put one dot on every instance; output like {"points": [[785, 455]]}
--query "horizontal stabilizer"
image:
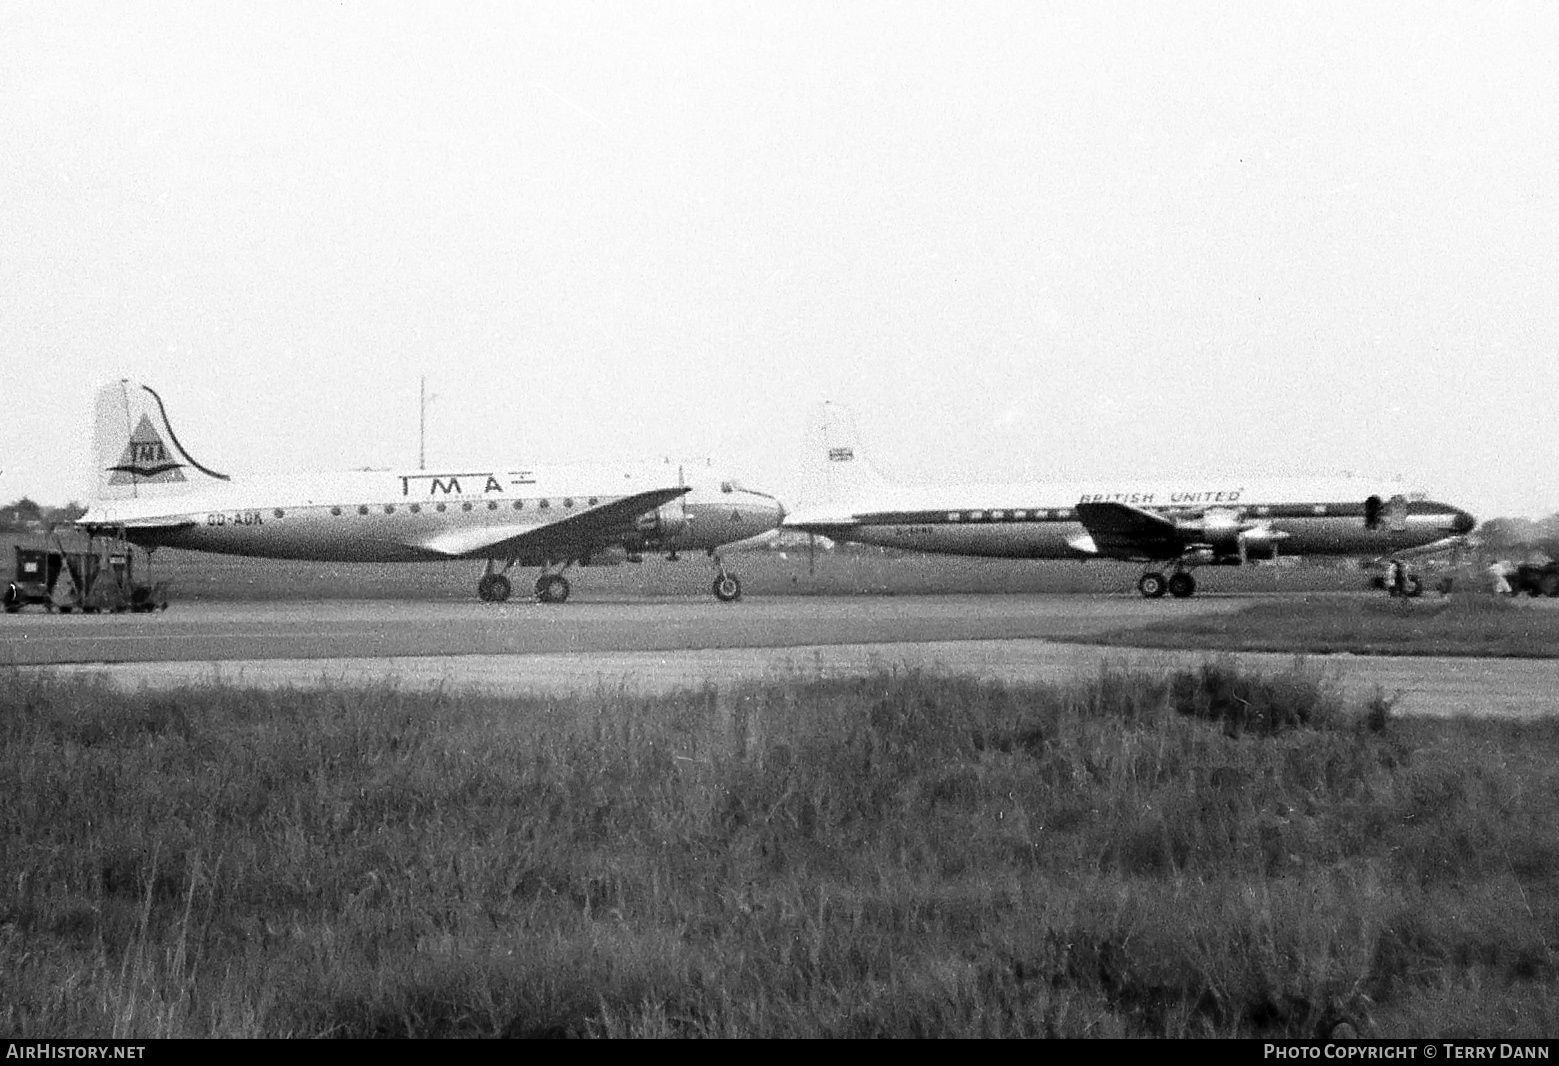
{"points": [[141, 525], [822, 521]]}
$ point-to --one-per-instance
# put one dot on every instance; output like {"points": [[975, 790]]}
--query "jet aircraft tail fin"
{"points": [[836, 466], [135, 454]]}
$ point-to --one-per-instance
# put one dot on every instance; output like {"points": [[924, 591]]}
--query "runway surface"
{"points": [[655, 645], [382, 628]]}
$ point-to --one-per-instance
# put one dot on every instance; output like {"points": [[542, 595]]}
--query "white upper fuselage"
{"points": [[1039, 521], [396, 515]]}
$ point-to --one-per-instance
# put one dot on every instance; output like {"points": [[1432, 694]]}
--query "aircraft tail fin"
{"points": [[836, 466], [135, 453]]}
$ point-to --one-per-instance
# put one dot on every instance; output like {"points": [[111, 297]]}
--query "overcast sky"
{"points": [[1021, 240]]}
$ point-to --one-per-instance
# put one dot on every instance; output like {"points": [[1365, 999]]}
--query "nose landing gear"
{"points": [[727, 587]]}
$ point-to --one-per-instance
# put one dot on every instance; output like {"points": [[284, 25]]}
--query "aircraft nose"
{"points": [[1464, 522], [767, 509]]}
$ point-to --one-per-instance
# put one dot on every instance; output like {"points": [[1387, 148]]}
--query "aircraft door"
{"points": [[1396, 513], [1372, 508]]}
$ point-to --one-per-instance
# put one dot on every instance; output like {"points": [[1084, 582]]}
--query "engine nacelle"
{"points": [[1208, 556], [1261, 544], [1228, 540], [657, 528], [1219, 532]]}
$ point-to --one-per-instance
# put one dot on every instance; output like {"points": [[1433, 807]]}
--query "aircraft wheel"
{"points": [[727, 588], [552, 588], [1549, 584], [1412, 586], [493, 588], [1152, 585], [1181, 585]]}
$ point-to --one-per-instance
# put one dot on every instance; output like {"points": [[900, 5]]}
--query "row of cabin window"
{"points": [[1001, 516], [492, 505]]}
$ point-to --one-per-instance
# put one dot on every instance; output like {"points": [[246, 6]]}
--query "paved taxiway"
{"points": [[655, 645]]}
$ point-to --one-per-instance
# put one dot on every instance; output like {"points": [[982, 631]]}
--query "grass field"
{"points": [[1158, 854], [1472, 623]]}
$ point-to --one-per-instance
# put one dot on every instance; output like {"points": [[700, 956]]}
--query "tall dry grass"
{"points": [[1202, 852]]}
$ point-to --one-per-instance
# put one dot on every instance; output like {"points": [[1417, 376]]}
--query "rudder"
{"points": [[135, 451], [837, 469]]}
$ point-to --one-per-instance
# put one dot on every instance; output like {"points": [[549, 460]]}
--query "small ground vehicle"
{"points": [[33, 579], [1535, 579], [1411, 585], [98, 575]]}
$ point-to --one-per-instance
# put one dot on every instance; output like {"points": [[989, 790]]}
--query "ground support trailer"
{"points": [[99, 576]]}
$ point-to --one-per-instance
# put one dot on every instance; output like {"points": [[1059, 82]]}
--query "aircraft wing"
{"points": [[1121, 531], [576, 534]]}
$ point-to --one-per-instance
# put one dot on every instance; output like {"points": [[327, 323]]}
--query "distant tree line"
{"points": [[25, 515], [1520, 537]]}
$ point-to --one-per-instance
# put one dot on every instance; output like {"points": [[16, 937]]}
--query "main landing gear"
{"points": [[1153, 584], [551, 588], [495, 587]]}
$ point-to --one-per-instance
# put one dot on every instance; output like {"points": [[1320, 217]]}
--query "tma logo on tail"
{"points": [[145, 458]]}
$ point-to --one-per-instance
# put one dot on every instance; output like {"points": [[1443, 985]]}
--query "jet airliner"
{"points": [[154, 494], [1174, 524]]}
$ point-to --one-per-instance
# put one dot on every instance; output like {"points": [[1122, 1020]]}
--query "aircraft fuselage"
{"points": [[1042, 523], [383, 516]]}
